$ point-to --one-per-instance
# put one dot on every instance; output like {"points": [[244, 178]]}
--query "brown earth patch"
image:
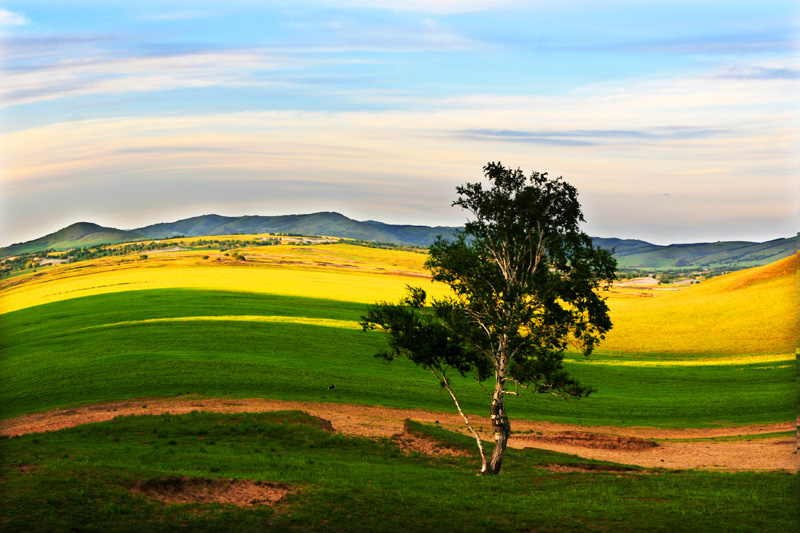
{"points": [[760, 454], [591, 440], [410, 442], [241, 492], [591, 467], [24, 468]]}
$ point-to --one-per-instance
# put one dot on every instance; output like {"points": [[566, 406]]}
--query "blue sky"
{"points": [[676, 121]]}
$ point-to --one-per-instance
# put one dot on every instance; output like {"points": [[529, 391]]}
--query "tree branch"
{"points": [[546, 388], [443, 381]]}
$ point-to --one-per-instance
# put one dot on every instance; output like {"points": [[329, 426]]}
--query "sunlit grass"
{"points": [[703, 361], [174, 270], [708, 354], [156, 343], [325, 322], [746, 312]]}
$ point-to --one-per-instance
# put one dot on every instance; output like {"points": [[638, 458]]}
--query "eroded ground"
{"points": [[648, 447]]}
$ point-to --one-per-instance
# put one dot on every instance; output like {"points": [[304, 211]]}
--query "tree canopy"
{"points": [[526, 283]]}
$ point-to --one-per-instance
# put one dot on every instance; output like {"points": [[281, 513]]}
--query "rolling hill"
{"points": [[75, 235], [325, 223], [641, 254], [630, 253]]}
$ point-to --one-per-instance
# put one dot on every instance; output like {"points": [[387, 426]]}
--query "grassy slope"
{"points": [[74, 236], [747, 312], [47, 357], [639, 254], [369, 281], [53, 356], [351, 484]]}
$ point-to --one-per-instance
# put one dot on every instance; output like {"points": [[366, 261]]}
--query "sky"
{"points": [[677, 121]]}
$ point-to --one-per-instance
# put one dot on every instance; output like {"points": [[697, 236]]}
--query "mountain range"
{"points": [[630, 253]]}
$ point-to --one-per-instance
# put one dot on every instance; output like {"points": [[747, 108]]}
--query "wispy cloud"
{"points": [[346, 33], [8, 18], [592, 137], [761, 73], [112, 75], [781, 40]]}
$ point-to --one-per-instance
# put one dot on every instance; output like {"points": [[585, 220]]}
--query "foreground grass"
{"points": [[98, 349], [79, 479]]}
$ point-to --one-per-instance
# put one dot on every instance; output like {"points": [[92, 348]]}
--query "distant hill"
{"points": [[325, 223], [630, 253], [75, 235], [641, 254]]}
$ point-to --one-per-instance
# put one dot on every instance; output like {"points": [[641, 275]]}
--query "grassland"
{"points": [[341, 272], [282, 324], [252, 339], [85, 479], [746, 312]]}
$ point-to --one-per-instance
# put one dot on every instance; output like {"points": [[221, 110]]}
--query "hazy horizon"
{"points": [[676, 122]]}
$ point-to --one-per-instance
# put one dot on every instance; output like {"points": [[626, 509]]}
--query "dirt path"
{"points": [[617, 444]]}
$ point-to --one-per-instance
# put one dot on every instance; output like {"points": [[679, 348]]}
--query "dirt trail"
{"points": [[596, 442]]}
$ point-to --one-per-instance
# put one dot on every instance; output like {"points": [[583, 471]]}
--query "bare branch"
{"points": [[444, 382]]}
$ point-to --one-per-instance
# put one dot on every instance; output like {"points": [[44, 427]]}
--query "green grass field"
{"points": [[283, 325], [80, 479], [99, 348]]}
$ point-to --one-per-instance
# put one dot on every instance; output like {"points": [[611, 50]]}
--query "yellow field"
{"points": [[695, 361], [751, 311], [363, 275], [748, 312]]}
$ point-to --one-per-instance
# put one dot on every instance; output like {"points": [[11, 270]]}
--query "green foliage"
{"points": [[525, 272], [422, 337], [525, 279]]}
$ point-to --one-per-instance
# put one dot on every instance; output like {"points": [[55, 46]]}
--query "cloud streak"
{"points": [[114, 75], [8, 18]]}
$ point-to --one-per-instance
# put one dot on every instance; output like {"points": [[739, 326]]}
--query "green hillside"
{"points": [[74, 236], [325, 223], [640, 254]]}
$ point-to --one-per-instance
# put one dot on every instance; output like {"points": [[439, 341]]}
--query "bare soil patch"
{"points": [[410, 442], [591, 467], [764, 454], [24, 468], [241, 492], [591, 440]]}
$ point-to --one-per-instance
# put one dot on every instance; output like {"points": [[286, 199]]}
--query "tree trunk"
{"points": [[502, 428]]}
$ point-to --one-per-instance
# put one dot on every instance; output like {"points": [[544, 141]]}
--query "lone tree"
{"points": [[525, 281]]}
